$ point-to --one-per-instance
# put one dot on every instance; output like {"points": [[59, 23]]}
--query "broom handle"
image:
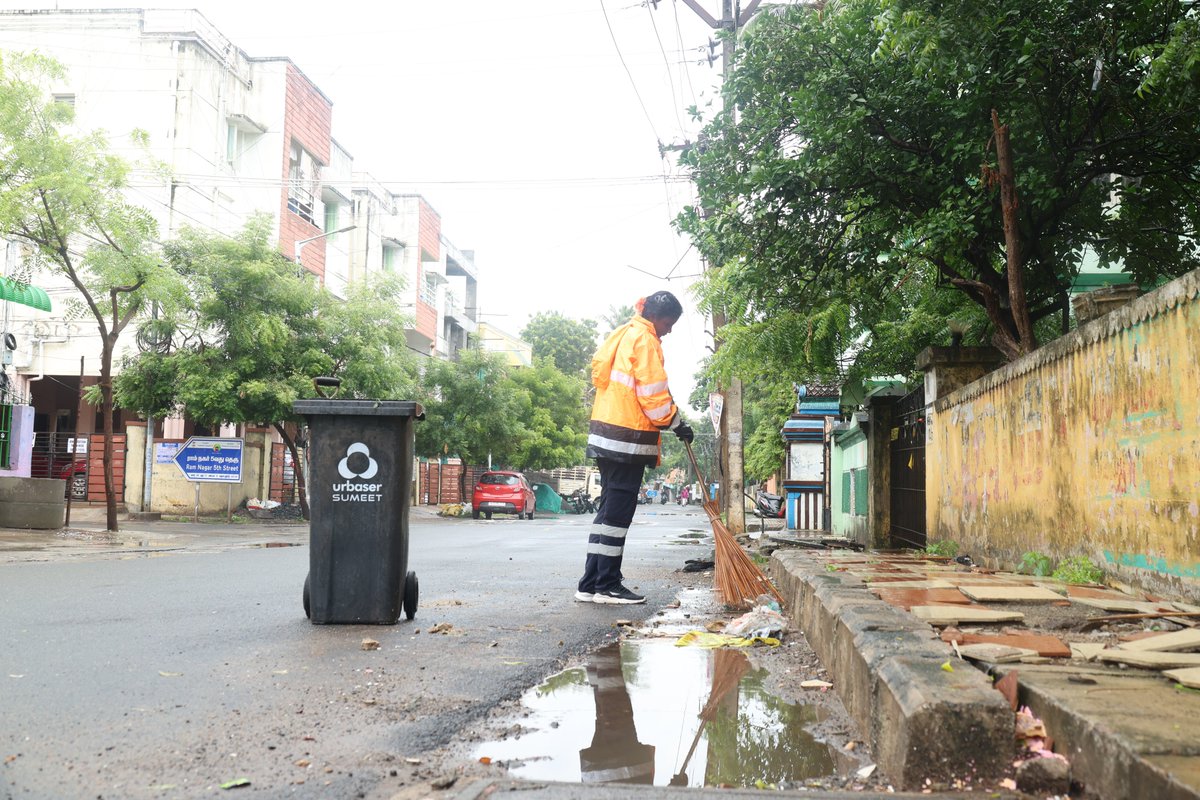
{"points": [[696, 467]]}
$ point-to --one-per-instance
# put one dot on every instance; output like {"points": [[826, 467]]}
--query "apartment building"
{"points": [[402, 234], [238, 135]]}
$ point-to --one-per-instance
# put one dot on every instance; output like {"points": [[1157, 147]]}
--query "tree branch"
{"points": [[64, 255]]}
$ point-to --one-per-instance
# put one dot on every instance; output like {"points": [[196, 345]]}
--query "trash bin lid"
{"points": [[359, 408]]}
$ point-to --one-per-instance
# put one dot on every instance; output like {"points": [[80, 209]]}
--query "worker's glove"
{"points": [[685, 433]]}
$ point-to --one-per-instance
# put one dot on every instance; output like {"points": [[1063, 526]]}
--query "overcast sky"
{"points": [[519, 123]]}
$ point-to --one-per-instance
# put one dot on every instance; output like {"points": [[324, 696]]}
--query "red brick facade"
{"points": [[307, 121], [429, 239]]}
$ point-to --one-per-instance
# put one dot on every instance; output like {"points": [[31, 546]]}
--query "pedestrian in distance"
{"points": [[633, 406]]}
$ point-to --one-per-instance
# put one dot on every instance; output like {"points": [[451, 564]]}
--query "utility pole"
{"points": [[733, 475]]}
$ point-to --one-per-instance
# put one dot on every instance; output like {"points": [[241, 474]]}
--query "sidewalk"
{"points": [[87, 535], [932, 715]]}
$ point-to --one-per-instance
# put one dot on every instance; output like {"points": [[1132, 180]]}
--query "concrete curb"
{"points": [[921, 721]]}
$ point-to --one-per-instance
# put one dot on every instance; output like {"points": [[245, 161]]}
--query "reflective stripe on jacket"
{"points": [[633, 402]]}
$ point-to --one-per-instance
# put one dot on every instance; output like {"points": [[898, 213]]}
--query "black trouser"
{"points": [[620, 484]]}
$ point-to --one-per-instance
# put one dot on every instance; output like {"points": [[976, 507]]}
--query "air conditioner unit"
{"points": [[22, 358]]}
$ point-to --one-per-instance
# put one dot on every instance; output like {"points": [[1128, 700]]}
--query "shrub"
{"points": [[1078, 569], [1035, 563], [945, 548]]}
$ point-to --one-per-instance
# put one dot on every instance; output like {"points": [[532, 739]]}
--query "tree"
{"points": [[255, 334], [62, 195], [767, 409], [616, 317], [864, 175], [569, 342], [472, 409], [555, 422]]}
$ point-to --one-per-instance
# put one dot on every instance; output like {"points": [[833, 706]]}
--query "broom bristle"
{"points": [[738, 579], [728, 668]]}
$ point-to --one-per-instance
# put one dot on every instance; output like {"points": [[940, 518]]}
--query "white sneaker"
{"points": [[584, 597]]}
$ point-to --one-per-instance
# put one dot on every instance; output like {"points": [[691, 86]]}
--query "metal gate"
{"points": [[908, 472], [78, 459]]}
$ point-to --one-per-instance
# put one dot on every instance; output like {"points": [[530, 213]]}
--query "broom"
{"points": [[739, 580], [729, 667]]}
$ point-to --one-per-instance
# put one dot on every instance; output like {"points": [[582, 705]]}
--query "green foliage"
{"points": [[62, 195], [1034, 563], [945, 548], [616, 317], [766, 407], [554, 420], [363, 336], [472, 409], [1078, 569], [253, 334], [570, 343], [844, 204]]}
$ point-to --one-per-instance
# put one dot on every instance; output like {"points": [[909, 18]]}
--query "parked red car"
{"points": [[502, 492]]}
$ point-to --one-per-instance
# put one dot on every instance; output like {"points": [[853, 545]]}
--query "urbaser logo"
{"points": [[357, 463]]}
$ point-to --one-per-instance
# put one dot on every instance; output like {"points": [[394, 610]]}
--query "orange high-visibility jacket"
{"points": [[633, 402]]}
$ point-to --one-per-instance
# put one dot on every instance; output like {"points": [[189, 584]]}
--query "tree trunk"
{"points": [[106, 410], [1018, 304], [297, 467]]}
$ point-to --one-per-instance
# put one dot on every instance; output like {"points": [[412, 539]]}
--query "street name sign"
{"points": [[204, 459]]}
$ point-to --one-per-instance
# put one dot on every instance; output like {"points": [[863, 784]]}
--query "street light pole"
{"points": [[299, 245]]}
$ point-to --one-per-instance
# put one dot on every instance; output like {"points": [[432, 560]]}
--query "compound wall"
{"points": [[1090, 445]]}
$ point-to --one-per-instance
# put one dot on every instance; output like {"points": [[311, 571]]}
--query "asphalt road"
{"points": [[168, 675]]}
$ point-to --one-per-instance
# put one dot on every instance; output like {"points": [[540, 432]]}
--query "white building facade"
{"points": [[228, 136]]}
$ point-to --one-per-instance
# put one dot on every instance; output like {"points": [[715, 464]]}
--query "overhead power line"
{"points": [[667, 64], [632, 82], [212, 179]]}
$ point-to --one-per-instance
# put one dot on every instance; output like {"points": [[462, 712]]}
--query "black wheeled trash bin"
{"points": [[360, 454]]}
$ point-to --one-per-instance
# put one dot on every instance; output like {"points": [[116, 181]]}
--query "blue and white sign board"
{"points": [[204, 459]]}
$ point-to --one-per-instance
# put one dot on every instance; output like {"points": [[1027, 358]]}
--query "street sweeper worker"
{"points": [[633, 406]]}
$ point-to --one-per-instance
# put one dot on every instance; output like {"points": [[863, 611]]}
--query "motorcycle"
{"points": [[768, 505], [580, 502]]}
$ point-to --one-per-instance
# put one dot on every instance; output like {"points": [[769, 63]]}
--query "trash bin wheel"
{"points": [[307, 607], [411, 594], [474, 514], [488, 514]]}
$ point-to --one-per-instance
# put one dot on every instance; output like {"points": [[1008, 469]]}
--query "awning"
{"points": [[24, 294]]}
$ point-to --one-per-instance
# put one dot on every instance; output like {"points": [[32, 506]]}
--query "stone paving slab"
{"points": [[1127, 732], [923, 721]]}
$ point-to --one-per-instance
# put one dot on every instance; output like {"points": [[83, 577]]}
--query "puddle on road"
{"points": [[649, 712]]}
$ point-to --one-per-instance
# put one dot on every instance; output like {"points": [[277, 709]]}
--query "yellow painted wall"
{"points": [[171, 493], [1089, 446]]}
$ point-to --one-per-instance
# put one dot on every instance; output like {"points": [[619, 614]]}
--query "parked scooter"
{"points": [[768, 505]]}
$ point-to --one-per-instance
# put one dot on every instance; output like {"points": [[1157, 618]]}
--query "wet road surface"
{"points": [[166, 675]]}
